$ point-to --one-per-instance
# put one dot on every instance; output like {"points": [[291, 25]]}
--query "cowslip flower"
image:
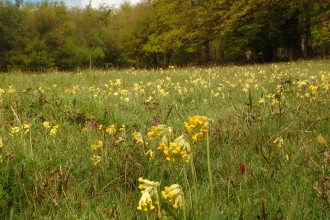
{"points": [[313, 89], [111, 130], [197, 126], [174, 195], [15, 130], [279, 141], [320, 139], [96, 159], [54, 130], [145, 201], [178, 150], [150, 154], [161, 131], [25, 128], [98, 144], [149, 191], [138, 138], [46, 125]]}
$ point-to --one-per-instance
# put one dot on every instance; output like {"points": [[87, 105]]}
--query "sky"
{"points": [[95, 3]]}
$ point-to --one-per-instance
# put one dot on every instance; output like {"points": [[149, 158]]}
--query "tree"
{"points": [[12, 31]]}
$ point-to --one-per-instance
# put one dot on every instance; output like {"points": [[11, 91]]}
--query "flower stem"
{"points": [[210, 174]]}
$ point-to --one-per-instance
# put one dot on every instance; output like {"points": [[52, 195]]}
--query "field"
{"points": [[249, 142]]}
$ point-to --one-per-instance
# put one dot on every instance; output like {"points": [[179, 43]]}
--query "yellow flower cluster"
{"points": [[174, 195], [54, 130], [25, 128], [138, 138], [149, 190], [198, 126], [99, 144], [178, 150], [320, 139], [161, 131], [111, 130], [15, 130], [96, 159], [279, 141]]}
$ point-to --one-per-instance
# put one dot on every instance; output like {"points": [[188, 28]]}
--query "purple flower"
{"points": [[155, 121], [92, 123]]}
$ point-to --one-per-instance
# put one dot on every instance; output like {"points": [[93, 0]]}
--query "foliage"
{"points": [[160, 33]]}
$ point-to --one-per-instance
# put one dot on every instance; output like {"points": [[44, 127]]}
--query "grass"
{"points": [[249, 108]]}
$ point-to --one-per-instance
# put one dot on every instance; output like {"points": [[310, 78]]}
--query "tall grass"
{"points": [[268, 140]]}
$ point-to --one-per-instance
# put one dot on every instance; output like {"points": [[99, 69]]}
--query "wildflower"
{"points": [[25, 128], [149, 190], [147, 185], [178, 150], [279, 89], [153, 132], [10, 89], [111, 130], [15, 130], [1, 143], [126, 99], [155, 121], [198, 126], [279, 141], [320, 139], [174, 195], [96, 159], [261, 101], [46, 125], [54, 130], [150, 154], [145, 201], [92, 123], [98, 144], [138, 138], [161, 131], [313, 89]]}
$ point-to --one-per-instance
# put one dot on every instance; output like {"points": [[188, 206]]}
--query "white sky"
{"points": [[96, 3]]}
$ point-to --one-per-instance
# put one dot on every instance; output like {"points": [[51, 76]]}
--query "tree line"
{"points": [[37, 36]]}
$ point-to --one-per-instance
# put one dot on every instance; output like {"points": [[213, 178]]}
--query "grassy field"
{"points": [[248, 142]]}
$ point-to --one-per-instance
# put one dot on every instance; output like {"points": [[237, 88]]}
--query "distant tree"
{"points": [[12, 31]]}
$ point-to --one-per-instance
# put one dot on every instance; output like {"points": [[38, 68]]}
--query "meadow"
{"points": [[233, 142]]}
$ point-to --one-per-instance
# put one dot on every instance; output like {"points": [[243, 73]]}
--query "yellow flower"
{"points": [[1, 143], [321, 140], [152, 132], [145, 201], [174, 194], [138, 138], [15, 130], [261, 101], [111, 130], [279, 141], [313, 89], [54, 131], [46, 125], [151, 154], [179, 150], [96, 159], [98, 144], [197, 126], [25, 128], [149, 190]]}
